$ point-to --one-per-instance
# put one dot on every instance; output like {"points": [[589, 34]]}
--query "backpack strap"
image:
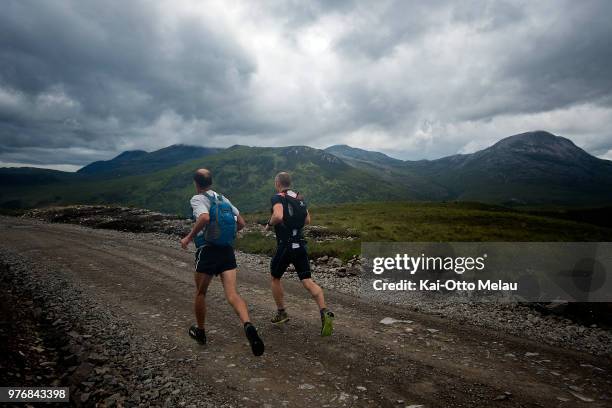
{"points": [[211, 197], [213, 200], [284, 193]]}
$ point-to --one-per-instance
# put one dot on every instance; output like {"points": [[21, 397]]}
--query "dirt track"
{"points": [[149, 282]]}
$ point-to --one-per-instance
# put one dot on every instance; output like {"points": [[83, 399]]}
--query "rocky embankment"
{"points": [[316, 233], [130, 219], [127, 219]]}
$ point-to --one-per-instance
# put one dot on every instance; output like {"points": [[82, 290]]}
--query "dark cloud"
{"points": [[488, 15], [84, 80], [82, 73], [567, 61], [292, 14], [396, 23]]}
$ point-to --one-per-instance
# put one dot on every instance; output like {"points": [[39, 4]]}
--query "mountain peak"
{"points": [[347, 152], [179, 148], [307, 151], [534, 137], [140, 162], [539, 143], [129, 155]]}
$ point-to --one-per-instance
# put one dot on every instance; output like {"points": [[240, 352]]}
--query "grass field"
{"points": [[429, 222]]}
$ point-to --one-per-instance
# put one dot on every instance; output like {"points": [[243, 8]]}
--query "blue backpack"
{"points": [[221, 229]]}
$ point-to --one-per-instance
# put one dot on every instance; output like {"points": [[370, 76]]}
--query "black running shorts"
{"points": [[214, 260], [285, 255]]}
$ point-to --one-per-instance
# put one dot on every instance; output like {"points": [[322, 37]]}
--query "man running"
{"points": [[289, 215], [213, 233]]}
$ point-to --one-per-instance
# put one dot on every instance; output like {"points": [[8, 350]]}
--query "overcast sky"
{"points": [[85, 80]]}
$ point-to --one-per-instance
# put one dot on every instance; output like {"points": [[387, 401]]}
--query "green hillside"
{"points": [[533, 168], [140, 162], [529, 169], [244, 174]]}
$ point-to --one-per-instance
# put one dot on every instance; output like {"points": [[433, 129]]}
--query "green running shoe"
{"points": [[280, 317], [327, 323]]}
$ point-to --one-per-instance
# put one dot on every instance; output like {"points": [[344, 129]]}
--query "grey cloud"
{"points": [[488, 15], [568, 62], [86, 79], [53, 156], [379, 28], [293, 14], [110, 59]]}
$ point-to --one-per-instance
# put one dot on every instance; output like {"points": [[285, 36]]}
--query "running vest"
{"points": [[294, 217]]}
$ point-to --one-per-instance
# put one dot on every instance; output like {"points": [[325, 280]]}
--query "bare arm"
{"points": [[277, 214], [240, 222], [200, 223], [307, 220]]}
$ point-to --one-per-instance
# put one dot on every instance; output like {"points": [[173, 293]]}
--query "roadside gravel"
{"points": [[121, 303], [90, 349]]}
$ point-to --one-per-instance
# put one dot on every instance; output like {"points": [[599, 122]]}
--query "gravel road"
{"points": [[112, 311]]}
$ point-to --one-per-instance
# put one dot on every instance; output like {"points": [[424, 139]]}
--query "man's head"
{"points": [[202, 179], [282, 181]]}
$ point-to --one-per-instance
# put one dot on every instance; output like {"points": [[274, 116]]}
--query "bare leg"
{"points": [[228, 278], [277, 293], [202, 281], [315, 291]]}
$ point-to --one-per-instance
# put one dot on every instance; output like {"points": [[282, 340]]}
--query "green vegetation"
{"points": [[254, 242], [428, 222], [245, 174]]}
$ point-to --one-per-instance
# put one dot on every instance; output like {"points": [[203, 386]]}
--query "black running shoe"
{"points": [[197, 334], [257, 345]]}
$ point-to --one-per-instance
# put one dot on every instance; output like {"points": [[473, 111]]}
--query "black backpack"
{"points": [[294, 214]]}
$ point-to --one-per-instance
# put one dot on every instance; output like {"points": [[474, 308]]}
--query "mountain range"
{"points": [[139, 161], [533, 169]]}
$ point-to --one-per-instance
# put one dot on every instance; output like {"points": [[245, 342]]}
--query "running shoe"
{"points": [[197, 334], [280, 317], [327, 323], [257, 345]]}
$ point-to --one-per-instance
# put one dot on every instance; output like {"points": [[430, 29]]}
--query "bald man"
{"points": [[214, 259]]}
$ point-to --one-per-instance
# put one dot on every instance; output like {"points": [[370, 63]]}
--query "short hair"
{"points": [[283, 178], [203, 178]]}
